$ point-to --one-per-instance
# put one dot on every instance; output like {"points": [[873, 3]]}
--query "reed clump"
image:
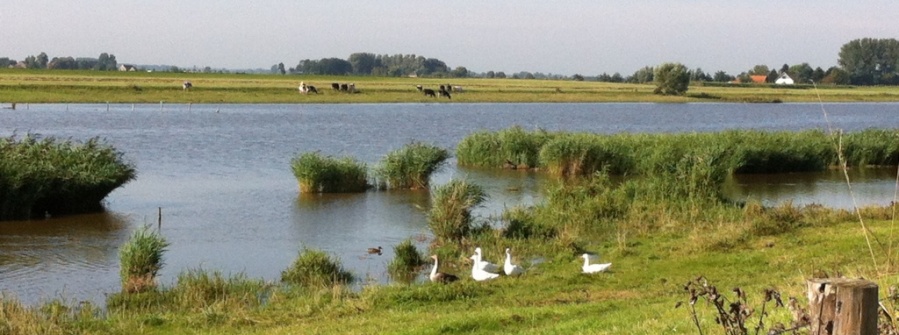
{"points": [[316, 269], [141, 259], [450, 216], [317, 173], [507, 148], [406, 261], [411, 166], [48, 176]]}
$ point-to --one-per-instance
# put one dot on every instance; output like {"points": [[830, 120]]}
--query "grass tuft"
{"points": [[317, 173], [316, 269], [141, 259], [411, 166]]}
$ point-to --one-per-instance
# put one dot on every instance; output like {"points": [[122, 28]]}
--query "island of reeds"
{"points": [[650, 204], [409, 167], [47, 176]]}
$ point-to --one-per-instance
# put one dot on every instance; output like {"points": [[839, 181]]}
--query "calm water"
{"points": [[229, 201]]}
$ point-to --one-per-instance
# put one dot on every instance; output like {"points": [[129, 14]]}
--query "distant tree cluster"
{"points": [[869, 61], [398, 65], [106, 62]]}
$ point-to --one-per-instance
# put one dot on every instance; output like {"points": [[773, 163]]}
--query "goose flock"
{"points": [[482, 270]]}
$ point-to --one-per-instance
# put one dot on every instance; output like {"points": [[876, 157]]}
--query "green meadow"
{"points": [[59, 86]]}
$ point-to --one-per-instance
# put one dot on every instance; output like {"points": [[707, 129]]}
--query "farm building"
{"points": [[784, 79]]}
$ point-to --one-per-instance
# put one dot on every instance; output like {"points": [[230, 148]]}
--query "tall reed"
{"points": [[450, 215], [317, 173], [141, 259], [411, 166], [316, 269], [513, 146], [48, 176], [406, 261]]}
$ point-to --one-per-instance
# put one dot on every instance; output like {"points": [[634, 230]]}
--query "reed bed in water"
{"points": [[50, 176], [315, 269], [317, 173], [511, 147], [141, 259], [411, 166], [740, 151], [450, 216]]}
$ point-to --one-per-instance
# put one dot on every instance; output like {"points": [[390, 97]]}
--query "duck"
{"points": [[509, 268], [484, 265], [594, 268], [479, 274], [375, 250], [440, 277]]}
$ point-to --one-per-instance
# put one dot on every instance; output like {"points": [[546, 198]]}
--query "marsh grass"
{"points": [[510, 148], [406, 262], [140, 260], [50, 176], [315, 269], [411, 166], [317, 173], [450, 217]]}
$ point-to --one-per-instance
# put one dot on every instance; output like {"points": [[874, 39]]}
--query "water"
{"points": [[221, 176]]}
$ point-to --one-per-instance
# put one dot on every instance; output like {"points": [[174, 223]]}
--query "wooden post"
{"points": [[159, 220], [840, 306]]}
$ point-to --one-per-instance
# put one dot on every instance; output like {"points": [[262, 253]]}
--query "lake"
{"points": [[221, 176]]}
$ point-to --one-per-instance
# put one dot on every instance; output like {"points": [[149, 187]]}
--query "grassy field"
{"points": [[42, 86]]}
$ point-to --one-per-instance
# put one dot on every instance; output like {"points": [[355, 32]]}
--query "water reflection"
{"points": [[874, 186], [41, 255]]}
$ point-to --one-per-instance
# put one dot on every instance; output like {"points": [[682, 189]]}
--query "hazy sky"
{"points": [[586, 37]]}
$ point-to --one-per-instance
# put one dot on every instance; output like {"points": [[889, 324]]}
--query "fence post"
{"points": [[840, 306]]}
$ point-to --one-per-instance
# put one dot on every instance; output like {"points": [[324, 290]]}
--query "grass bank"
{"points": [[44, 86]]}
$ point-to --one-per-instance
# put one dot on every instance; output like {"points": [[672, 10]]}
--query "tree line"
{"points": [[865, 61], [105, 62]]}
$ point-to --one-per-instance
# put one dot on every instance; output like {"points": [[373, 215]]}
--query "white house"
{"points": [[784, 79], [127, 67]]}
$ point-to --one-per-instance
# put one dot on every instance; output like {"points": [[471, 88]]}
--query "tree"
{"points": [[722, 77], [818, 75], [490, 74], [616, 78], [759, 70], [870, 61], [42, 60], [578, 77], [836, 76], [363, 63], [501, 75], [671, 79], [801, 73], [772, 77], [644, 75], [281, 68]]}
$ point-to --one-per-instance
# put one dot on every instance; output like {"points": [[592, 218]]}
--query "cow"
{"points": [[444, 93], [429, 93], [186, 85], [457, 89], [305, 89], [351, 88], [344, 87], [418, 87], [335, 86]]}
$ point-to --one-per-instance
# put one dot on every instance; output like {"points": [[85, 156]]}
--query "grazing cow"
{"points": [[418, 87], [457, 89], [305, 89], [186, 86], [335, 86], [351, 88], [429, 93], [444, 93], [344, 87]]}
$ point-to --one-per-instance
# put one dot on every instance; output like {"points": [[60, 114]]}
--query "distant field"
{"points": [[40, 86]]}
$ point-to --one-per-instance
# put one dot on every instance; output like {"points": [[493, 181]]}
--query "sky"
{"points": [[566, 37]]}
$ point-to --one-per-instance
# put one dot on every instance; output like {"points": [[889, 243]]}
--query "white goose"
{"points": [[594, 268], [440, 277], [509, 268], [482, 264], [479, 274]]}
